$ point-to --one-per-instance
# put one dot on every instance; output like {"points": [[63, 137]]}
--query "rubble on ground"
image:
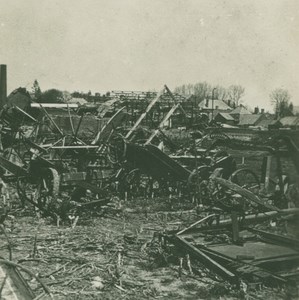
{"points": [[138, 186]]}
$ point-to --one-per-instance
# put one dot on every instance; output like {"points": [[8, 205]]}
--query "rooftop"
{"points": [[240, 110], [290, 121], [226, 116], [249, 119], [218, 104]]}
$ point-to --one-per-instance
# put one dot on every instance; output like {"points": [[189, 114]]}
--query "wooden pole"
{"points": [[267, 175], [3, 85]]}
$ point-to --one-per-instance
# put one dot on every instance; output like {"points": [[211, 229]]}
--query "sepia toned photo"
{"points": [[149, 149]]}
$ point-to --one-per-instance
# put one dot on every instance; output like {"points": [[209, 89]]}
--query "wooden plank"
{"points": [[277, 238], [254, 218], [12, 168], [268, 171], [235, 227], [74, 147], [51, 120], [241, 268], [14, 285], [248, 195], [142, 116], [168, 115], [25, 114], [196, 223], [205, 259], [174, 100]]}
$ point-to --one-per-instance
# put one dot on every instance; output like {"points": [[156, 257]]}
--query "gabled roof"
{"points": [[249, 119], [240, 110], [226, 116], [218, 104], [266, 122], [290, 121]]}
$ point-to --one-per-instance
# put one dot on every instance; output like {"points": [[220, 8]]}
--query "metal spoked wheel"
{"points": [[247, 179], [43, 192]]}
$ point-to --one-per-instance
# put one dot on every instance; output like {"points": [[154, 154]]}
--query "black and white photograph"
{"points": [[149, 149]]}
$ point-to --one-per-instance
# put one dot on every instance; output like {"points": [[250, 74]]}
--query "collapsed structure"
{"points": [[62, 164]]}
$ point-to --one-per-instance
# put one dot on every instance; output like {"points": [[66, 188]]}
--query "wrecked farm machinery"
{"points": [[54, 170], [60, 172]]}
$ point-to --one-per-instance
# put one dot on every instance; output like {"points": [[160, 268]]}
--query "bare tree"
{"points": [[220, 92], [280, 99], [202, 90], [235, 93], [190, 89]]}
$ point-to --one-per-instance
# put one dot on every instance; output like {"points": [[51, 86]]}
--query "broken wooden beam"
{"points": [[206, 260], [250, 219], [277, 238], [142, 116], [12, 167], [14, 286], [203, 220], [248, 195]]}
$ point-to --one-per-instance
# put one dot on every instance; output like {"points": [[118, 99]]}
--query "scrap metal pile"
{"points": [[61, 172]]}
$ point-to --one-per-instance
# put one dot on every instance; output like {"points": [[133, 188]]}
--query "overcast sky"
{"points": [[143, 44]]}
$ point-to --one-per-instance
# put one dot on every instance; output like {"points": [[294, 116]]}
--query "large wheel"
{"points": [[43, 192], [132, 181], [228, 200], [247, 179]]}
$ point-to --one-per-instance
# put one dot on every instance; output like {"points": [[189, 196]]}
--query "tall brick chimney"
{"points": [[3, 85]]}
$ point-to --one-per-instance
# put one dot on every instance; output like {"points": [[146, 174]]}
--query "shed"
{"points": [[224, 118], [250, 119], [291, 122], [213, 104]]}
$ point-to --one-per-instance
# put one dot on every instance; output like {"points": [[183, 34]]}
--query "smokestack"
{"points": [[3, 85]]}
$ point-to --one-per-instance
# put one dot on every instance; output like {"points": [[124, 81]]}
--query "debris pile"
{"points": [[244, 214]]}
